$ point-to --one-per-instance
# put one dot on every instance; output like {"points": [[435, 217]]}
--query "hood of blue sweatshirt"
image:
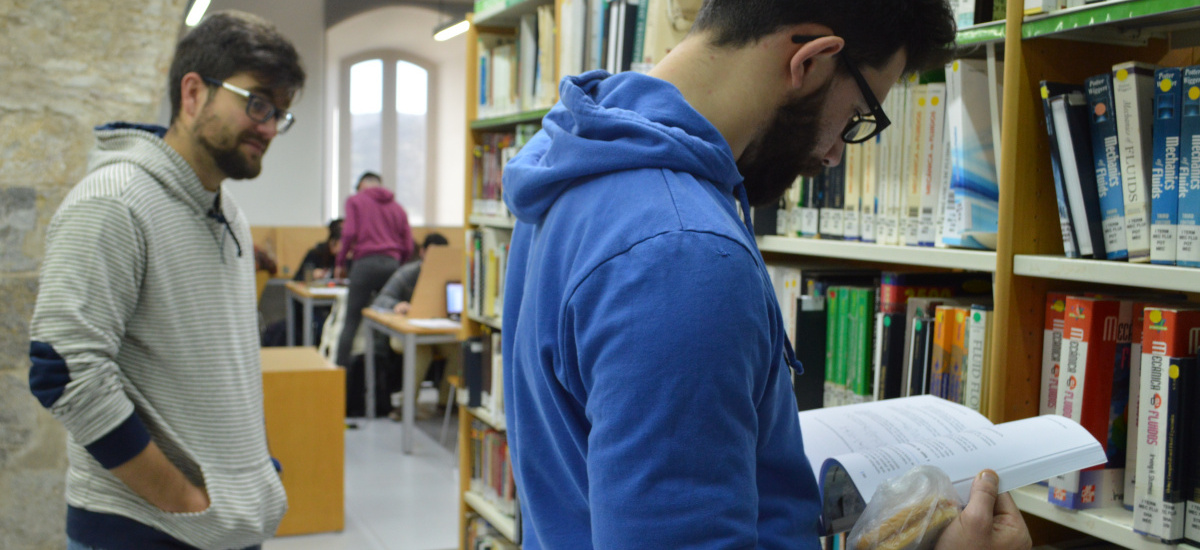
{"points": [[608, 124], [644, 351]]}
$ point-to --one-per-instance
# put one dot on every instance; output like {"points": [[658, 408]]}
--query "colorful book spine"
{"points": [[1188, 247], [860, 323], [1133, 91], [939, 361], [832, 306], [1052, 339], [896, 288], [1070, 245], [979, 345], [1086, 396], [958, 355], [1164, 195], [1107, 159], [1169, 341]]}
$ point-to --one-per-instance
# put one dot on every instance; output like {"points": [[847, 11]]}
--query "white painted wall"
{"points": [[408, 29], [288, 191]]}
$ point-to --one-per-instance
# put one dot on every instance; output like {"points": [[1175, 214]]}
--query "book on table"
{"points": [[855, 448]]}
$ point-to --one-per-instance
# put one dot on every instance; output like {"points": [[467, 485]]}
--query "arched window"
{"points": [[387, 97]]}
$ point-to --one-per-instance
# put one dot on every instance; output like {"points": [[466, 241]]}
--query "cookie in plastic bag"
{"points": [[907, 512]]}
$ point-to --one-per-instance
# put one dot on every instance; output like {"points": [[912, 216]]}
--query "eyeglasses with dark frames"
{"points": [[861, 127], [258, 108]]}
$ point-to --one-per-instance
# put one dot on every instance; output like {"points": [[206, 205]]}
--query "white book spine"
{"points": [[1133, 91], [870, 172], [853, 194], [913, 174], [932, 152], [977, 350]]}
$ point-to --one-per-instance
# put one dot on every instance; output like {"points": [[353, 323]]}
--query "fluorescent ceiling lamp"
{"points": [[446, 32], [196, 13]]}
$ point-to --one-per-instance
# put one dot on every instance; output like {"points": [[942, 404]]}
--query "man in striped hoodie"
{"points": [[145, 337]]}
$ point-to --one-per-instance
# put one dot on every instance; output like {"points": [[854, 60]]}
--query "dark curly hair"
{"points": [[230, 42], [874, 30]]}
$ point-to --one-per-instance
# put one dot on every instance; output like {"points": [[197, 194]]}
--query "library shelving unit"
{"points": [[1070, 46], [498, 17], [1066, 46]]}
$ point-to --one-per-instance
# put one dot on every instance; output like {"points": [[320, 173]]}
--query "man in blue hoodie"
{"points": [[646, 367]]}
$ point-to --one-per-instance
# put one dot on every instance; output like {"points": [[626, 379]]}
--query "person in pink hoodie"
{"points": [[376, 235]]}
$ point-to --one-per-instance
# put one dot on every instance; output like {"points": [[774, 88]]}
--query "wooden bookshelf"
{"points": [[1114, 525], [504, 13], [948, 258], [491, 221], [1125, 21], [501, 521]]}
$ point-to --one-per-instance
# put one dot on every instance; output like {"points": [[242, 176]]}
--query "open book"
{"points": [[855, 448]]}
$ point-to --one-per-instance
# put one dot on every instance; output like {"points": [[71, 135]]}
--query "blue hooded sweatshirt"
{"points": [[647, 385]]}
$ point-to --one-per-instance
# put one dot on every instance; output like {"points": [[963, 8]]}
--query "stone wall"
{"points": [[67, 66]]}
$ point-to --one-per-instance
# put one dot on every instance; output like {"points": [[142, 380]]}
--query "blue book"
{"points": [[1188, 245], [1164, 174], [1070, 245], [1107, 157]]}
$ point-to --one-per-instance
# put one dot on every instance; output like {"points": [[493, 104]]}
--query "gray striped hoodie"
{"points": [[145, 328]]}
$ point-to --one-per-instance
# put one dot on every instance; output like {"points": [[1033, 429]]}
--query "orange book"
{"points": [[958, 355], [1085, 395], [943, 343]]}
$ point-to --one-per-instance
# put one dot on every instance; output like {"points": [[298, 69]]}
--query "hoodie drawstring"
{"points": [[217, 214]]}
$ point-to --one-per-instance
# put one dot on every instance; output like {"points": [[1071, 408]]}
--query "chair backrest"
{"points": [[441, 264]]}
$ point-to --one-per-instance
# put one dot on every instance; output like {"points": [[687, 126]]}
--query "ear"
{"points": [[193, 94], [813, 62]]}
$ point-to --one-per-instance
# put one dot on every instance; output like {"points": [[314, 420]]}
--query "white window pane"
{"points": [[412, 89], [366, 117]]}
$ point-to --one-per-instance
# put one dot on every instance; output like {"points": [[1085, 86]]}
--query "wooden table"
{"points": [[398, 326], [308, 296], [304, 401]]}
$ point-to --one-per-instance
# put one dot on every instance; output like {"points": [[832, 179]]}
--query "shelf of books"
{"points": [[1131, 19], [983, 33], [1111, 524], [502, 222], [949, 258], [503, 523], [508, 121], [1182, 279]]}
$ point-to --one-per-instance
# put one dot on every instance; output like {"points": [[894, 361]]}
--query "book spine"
{"points": [[922, 350], [1079, 176], [977, 350], [1133, 87], [870, 182], [940, 352], [1164, 196], [1056, 307], [860, 324], [958, 356], [1091, 328], [853, 193], [915, 156], [891, 355], [1135, 384], [1070, 248], [831, 345], [1169, 341], [842, 352], [932, 152], [1107, 159], [1188, 247]]}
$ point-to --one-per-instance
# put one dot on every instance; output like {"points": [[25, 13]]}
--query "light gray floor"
{"points": [[393, 501]]}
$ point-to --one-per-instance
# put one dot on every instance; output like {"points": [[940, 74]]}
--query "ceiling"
{"points": [[337, 11]]}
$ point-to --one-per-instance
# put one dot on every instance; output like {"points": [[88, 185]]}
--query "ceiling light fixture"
{"points": [[446, 31], [196, 13]]}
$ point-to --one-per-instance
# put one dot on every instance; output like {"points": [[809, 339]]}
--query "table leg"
{"points": [[369, 362], [308, 315], [291, 319], [410, 392]]}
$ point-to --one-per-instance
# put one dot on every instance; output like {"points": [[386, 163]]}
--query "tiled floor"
{"points": [[393, 501]]}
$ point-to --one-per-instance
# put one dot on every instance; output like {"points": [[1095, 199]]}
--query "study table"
{"points": [[399, 326], [308, 296]]}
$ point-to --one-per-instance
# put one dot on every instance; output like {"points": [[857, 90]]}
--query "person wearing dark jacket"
{"points": [[376, 234], [321, 259]]}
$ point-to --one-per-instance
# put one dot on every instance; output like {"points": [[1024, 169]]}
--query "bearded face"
{"points": [[788, 148], [236, 152]]}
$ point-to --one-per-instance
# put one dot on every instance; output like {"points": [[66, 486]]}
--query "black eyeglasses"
{"points": [[258, 108], [861, 127]]}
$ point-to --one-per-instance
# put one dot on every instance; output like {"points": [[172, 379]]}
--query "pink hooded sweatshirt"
{"points": [[375, 224]]}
